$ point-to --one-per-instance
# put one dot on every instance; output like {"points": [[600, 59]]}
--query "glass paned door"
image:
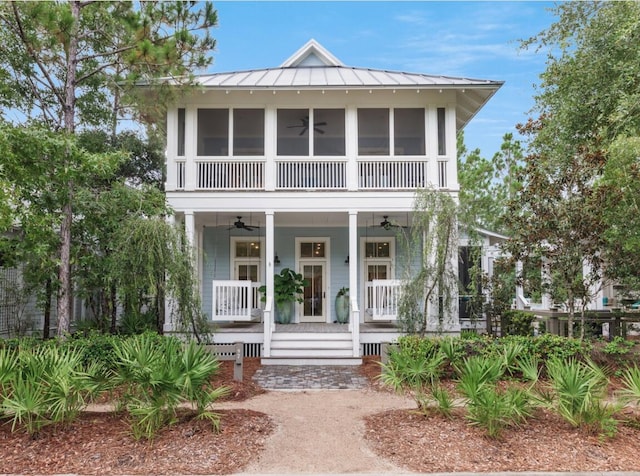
{"points": [[313, 306]]}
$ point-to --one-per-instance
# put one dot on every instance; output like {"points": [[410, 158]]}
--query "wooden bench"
{"points": [[233, 352]]}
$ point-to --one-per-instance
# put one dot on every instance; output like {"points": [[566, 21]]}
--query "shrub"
{"points": [[516, 323]]}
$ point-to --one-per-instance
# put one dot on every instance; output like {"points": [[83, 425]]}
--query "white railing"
{"points": [[297, 175], [442, 174], [382, 299], [392, 174], [236, 301], [230, 175], [354, 326], [269, 326], [181, 175]]}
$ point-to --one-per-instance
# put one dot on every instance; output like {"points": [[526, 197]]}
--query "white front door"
{"points": [[314, 308], [312, 256]]}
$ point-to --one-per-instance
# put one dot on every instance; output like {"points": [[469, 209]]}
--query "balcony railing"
{"points": [[392, 174], [298, 175], [230, 175], [245, 174]]}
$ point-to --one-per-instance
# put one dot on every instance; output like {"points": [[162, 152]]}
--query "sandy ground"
{"points": [[320, 431]]}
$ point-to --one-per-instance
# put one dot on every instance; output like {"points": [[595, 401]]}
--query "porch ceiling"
{"points": [[307, 219]]}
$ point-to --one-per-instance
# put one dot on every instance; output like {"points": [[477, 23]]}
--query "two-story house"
{"points": [[310, 166]]}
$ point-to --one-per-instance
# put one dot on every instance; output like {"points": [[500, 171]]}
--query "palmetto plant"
{"points": [[631, 385], [488, 406], [47, 385], [416, 373], [579, 390], [161, 374]]}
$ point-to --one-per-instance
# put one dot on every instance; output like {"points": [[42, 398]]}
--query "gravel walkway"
{"points": [[320, 431]]}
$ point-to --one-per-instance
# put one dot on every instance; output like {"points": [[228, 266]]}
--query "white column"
{"points": [[168, 302], [354, 318], [269, 322], [190, 227], [270, 147], [190, 147], [171, 148], [432, 146], [351, 138]]}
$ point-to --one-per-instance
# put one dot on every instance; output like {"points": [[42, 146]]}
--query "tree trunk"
{"points": [[47, 311], [64, 273], [113, 309]]}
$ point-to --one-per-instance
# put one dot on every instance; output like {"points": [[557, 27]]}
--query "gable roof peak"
{"points": [[312, 53]]}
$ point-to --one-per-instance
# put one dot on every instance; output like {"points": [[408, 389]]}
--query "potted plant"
{"points": [[342, 305], [288, 287]]}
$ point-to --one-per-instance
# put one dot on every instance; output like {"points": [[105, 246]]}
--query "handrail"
{"points": [[269, 325], [354, 325]]}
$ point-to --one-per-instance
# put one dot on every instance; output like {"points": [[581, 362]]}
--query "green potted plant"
{"points": [[342, 305], [288, 287]]}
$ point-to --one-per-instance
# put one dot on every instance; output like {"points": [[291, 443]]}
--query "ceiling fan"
{"points": [[387, 225], [305, 126], [239, 224]]}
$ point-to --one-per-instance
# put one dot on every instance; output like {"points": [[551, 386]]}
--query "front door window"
{"points": [[312, 254], [313, 305]]}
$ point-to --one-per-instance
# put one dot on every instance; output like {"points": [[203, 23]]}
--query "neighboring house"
{"points": [[310, 166]]}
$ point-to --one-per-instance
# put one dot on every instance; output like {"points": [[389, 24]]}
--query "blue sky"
{"points": [[466, 39]]}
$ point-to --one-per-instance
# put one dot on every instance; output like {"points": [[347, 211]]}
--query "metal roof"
{"points": [[314, 68], [333, 77]]}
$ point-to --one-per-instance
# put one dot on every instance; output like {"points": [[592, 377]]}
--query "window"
{"points": [[409, 131], [442, 136], [373, 132], [246, 259], [213, 132], [248, 132], [247, 249], [328, 132], [312, 249], [181, 131], [377, 249]]}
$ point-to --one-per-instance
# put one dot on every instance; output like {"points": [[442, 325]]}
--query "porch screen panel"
{"points": [[293, 132], [328, 132], [373, 131], [442, 133], [213, 132], [248, 132], [409, 131], [181, 131]]}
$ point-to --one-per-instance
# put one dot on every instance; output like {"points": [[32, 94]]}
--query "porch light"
{"points": [[276, 260], [347, 260]]}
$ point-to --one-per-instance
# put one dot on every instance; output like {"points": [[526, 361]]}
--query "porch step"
{"points": [[298, 348]]}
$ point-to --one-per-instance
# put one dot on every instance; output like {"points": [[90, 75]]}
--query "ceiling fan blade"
{"points": [[320, 124], [303, 131], [319, 131]]}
